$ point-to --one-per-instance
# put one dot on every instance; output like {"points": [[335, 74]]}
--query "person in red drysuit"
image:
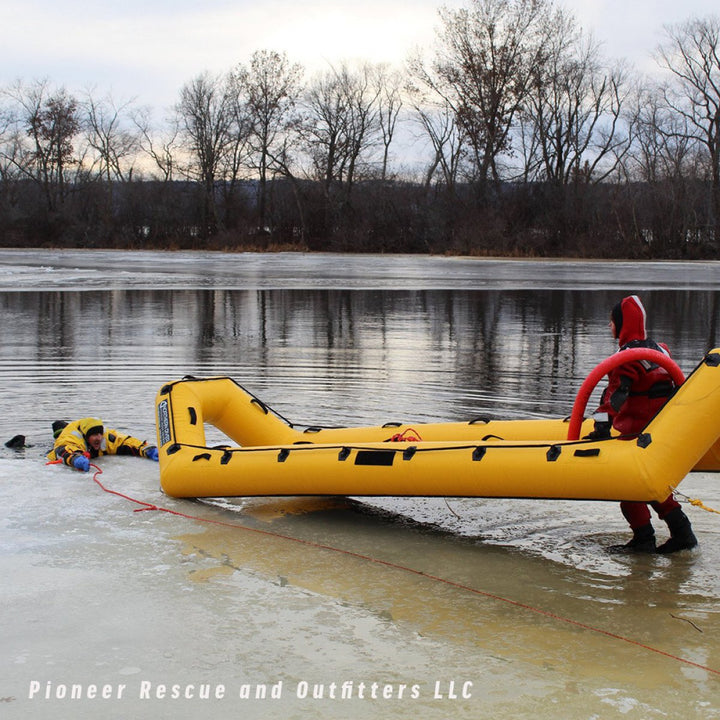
{"points": [[634, 394]]}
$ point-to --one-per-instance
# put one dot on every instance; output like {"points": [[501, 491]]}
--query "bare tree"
{"points": [[110, 136], [341, 125], [324, 128], [10, 143], [663, 145], [666, 171], [205, 118], [363, 120], [159, 145], [10, 151], [51, 122], [691, 53], [482, 69], [447, 142], [269, 89], [390, 103], [572, 114], [113, 144]]}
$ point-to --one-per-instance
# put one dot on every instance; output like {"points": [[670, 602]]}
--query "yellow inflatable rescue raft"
{"points": [[480, 458]]}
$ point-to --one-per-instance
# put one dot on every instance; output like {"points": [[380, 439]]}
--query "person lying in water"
{"points": [[77, 442]]}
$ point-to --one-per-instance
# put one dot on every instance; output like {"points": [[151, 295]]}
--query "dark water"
{"points": [[329, 356]]}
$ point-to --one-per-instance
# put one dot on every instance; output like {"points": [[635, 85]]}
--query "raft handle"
{"points": [[392, 424], [644, 439], [590, 452], [712, 359], [553, 453], [610, 363], [202, 456], [193, 415], [283, 455], [484, 419], [409, 452], [344, 454], [260, 404], [479, 453]]}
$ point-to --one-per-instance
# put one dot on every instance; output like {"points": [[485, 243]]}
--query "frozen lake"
{"points": [[336, 608]]}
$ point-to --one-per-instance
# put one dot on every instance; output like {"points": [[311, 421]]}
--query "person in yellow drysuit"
{"points": [[79, 441]]}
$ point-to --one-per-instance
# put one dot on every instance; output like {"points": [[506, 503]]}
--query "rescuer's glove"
{"points": [[81, 463]]}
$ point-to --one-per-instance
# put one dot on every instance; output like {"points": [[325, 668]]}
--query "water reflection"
{"points": [[345, 355]]}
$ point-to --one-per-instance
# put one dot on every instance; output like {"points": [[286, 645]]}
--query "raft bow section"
{"points": [[480, 458]]}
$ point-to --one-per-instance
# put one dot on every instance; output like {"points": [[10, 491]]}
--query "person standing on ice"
{"points": [[79, 441], [634, 394]]}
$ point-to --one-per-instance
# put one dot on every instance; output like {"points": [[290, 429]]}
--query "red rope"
{"points": [[407, 435], [404, 568]]}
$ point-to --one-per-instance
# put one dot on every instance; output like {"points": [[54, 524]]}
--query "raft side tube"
{"points": [[542, 468], [183, 408]]}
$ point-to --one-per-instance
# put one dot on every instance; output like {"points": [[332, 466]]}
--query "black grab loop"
{"points": [[644, 440], [409, 452], [484, 419], [712, 359], [261, 405], [553, 453]]}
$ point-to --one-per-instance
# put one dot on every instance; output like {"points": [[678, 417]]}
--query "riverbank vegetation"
{"points": [[513, 135]]}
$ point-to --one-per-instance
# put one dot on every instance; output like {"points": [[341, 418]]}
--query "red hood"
{"points": [[633, 320]]}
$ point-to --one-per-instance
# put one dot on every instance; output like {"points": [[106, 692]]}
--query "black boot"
{"points": [[57, 427], [681, 534], [16, 443], [643, 541]]}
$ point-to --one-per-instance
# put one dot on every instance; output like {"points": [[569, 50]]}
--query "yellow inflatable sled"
{"points": [[480, 458]]}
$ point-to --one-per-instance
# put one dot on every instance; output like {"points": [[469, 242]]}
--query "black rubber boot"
{"points": [[681, 534], [16, 443], [57, 427], [643, 541]]}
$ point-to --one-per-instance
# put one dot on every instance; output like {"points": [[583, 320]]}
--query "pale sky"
{"points": [[148, 49]]}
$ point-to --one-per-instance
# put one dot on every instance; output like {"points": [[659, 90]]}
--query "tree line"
{"points": [[513, 135]]}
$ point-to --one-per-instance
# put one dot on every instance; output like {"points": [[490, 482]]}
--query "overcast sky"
{"points": [[149, 48]]}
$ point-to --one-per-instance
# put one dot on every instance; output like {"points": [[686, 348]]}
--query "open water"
{"points": [[335, 608]]}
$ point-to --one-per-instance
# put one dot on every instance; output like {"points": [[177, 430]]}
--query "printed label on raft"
{"points": [[163, 423]]}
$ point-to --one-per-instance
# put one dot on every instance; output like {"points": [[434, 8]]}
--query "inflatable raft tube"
{"points": [[480, 458]]}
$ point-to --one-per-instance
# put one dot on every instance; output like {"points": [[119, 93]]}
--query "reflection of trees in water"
{"points": [[458, 352]]}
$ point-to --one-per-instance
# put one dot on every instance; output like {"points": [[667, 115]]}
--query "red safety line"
{"points": [[404, 568]]}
